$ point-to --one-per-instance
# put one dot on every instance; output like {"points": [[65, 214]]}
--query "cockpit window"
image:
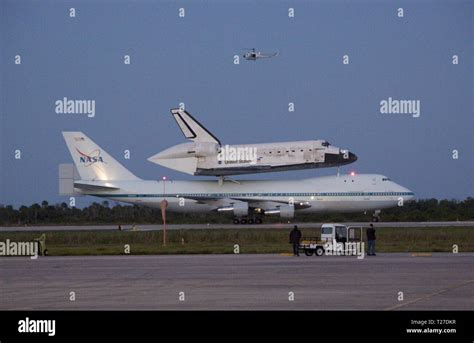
{"points": [[325, 143], [386, 179]]}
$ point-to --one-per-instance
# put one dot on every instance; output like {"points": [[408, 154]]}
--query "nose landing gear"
{"points": [[376, 216]]}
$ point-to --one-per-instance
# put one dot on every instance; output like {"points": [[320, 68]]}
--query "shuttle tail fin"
{"points": [[191, 128], [92, 162]]}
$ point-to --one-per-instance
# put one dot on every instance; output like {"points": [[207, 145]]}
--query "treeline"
{"points": [[103, 213]]}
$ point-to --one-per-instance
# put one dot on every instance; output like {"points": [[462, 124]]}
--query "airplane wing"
{"points": [[252, 203], [266, 204], [191, 128]]}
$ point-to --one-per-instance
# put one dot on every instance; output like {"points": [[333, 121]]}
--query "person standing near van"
{"points": [[295, 237]]}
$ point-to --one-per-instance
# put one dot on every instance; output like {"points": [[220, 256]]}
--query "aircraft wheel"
{"points": [[308, 252], [319, 251]]}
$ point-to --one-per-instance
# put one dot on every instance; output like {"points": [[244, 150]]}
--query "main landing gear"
{"points": [[248, 220]]}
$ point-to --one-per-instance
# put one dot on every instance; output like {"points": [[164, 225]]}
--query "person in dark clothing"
{"points": [[295, 236], [371, 240]]}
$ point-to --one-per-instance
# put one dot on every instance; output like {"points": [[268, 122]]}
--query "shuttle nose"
{"points": [[339, 158], [347, 157], [352, 157]]}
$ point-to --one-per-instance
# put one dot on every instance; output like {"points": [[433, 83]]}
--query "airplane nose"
{"points": [[408, 194], [411, 195]]}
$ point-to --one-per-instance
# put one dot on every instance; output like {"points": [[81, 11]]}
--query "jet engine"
{"points": [[285, 211], [240, 209]]}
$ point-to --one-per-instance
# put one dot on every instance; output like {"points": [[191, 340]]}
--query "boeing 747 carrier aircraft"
{"points": [[100, 175]]}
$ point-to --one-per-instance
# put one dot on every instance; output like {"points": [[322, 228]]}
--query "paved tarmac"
{"points": [[225, 226], [440, 281]]}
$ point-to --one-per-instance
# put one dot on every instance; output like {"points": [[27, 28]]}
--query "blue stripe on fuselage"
{"points": [[243, 195]]}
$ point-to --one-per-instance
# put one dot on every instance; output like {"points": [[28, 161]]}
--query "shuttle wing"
{"points": [[94, 187], [191, 128]]}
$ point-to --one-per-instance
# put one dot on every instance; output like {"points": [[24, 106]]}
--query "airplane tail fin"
{"points": [[92, 162], [191, 128]]}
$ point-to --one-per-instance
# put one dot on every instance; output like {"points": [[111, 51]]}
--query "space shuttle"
{"points": [[204, 154]]}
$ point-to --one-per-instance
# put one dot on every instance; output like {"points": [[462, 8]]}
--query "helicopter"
{"points": [[253, 55]]}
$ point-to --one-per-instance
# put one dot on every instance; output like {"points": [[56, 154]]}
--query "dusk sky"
{"points": [[190, 59]]}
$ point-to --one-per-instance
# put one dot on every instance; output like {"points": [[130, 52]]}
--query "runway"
{"points": [[226, 226], [238, 282]]}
